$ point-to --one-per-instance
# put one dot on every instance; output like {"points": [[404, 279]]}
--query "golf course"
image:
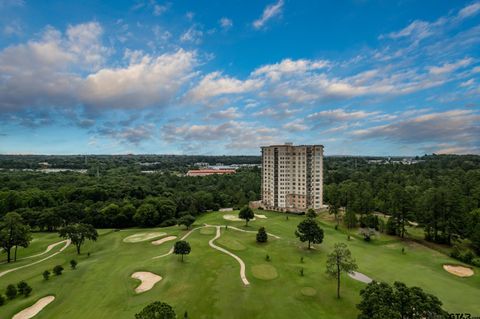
{"points": [[227, 274]]}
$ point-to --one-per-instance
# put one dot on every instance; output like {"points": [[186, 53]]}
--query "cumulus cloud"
{"points": [[289, 67], [339, 115], [152, 81], [297, 125], [271, 11], [458, 128], [67, 70], [230, 113], [215, 84], [129, 135], [449, 67]]}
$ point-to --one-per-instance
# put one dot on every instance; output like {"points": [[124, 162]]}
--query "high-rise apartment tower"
{"points": [[292, 177]]}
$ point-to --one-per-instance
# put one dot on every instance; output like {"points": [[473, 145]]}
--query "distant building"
{"points": [[292, 177], [205, 172]]}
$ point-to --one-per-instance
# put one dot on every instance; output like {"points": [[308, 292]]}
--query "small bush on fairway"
{"points": [[157, 310], [11, 292], [73, 264], [262, 236], [23, 288], [57, 270], [2, 300], [46, 275], [267, 257]]}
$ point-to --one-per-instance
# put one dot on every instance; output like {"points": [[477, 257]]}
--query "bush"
{"points": [[262, 236], [73, 263], [11, 292], [157, 309], [24, 288], [46, 275], [2, 300], [391, 227], [476, 262], [57, 270]]}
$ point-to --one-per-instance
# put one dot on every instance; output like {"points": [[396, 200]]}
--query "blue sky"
{"points": [[361, 77]]}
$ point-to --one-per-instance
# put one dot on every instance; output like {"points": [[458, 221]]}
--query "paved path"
{"points": [[240, 261], [183, 237], [251, 231], [360, 277], [67, 243]]}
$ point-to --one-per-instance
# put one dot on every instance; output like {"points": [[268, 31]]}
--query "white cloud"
{"points": [[152, 81], [287, 66], [469, 11], [449, 67], [193, 34], [215, 84], [295, 126], [270, 12], [226, 23], [230, 113], [339, 115]]}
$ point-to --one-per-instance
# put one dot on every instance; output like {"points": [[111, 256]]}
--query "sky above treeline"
{"points": [[361, 77]]}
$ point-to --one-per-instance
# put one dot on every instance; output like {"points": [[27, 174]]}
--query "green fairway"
{"points": [[208, 285]]}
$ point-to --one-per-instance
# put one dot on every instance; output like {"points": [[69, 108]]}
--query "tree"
{"points": [[311, 213], [46, 274], [73, 264], [338, 261], [57, 270], [146, 215], [13, 233], [186, 220], [334, 200], [262, 235], [247, 214], [78, 233], [23, 288], [157, 310], [2, 300], [308, 230], [380, 300], [181, 247], [350, 219], [11, 292]]}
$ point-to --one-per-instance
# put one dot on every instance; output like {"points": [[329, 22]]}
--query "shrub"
{"points": [[46, 275], [57, 270], [73, 263], [267, 257], [168, 222], [23, 288], [157, 309], [2, 300], [11, 292], [262, 236], [476, 262]]}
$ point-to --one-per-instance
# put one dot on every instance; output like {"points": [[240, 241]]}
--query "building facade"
{"points": [[292, 177]]}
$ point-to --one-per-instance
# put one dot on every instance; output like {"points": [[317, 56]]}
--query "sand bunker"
{"points": [[360, 277], [234, 218], [260, 216], [148, 280], [308, 291], [459, 271], [34, 309], [164, 239], [136, 238], [264, 272]]}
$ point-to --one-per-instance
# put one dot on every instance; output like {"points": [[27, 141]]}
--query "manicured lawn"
{"points": [[208, 284]]}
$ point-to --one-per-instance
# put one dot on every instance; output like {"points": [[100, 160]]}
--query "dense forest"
{"points": [[439, 193]]}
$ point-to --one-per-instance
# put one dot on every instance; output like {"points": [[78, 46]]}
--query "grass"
{"points": [[208, 285]]}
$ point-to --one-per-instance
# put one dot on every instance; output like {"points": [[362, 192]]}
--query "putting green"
{"points": [[136, 238], [308, 291], [231, 243], [264, 272]]}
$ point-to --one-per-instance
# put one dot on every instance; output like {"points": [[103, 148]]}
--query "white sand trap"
{"points": [[234, 218], [360, 277], [136, 238], [260, 216], [165, 239], [34, 309], [459, 271], [148, 280]]}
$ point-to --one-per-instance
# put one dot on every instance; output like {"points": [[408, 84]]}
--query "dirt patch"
{"points": [[136, 238], [234, 218], [308, 291], [34, 309], [458, 270], [163, 240], [360, 277], [148, 280], [264, 272]]}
